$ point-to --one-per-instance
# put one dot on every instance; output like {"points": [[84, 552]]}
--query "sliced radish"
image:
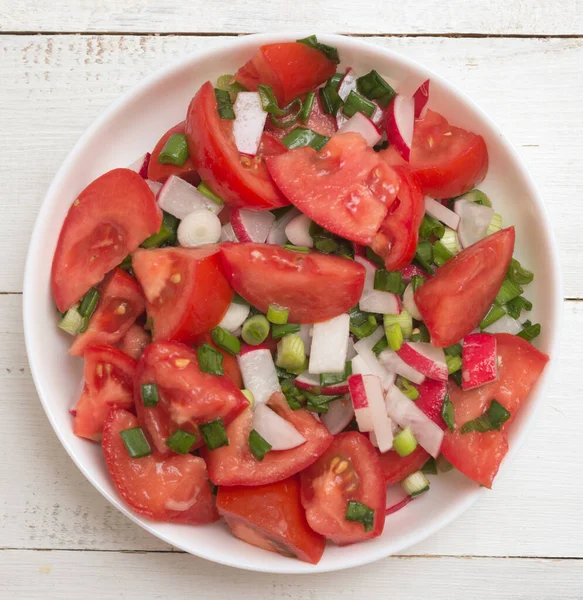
{"points": [[198, 228], [393, 362], [227, 234], [329, 345], [311, 383], [250, 225], [406, 414], [366, 362], [275, 430], [305, 333], [372, 300], [397, 498], [421, 97], [140, 166], [277, 233], [474, 221], [339, 415], [378, 116], [479, 360], [409, 303], [441, 213], [359, 250], [505, 324], [155, 186], [400, 122], [179, 198], [425, 358], [298, 231], [249, 123], [360, 123], [348, 83], [410, 271], [259, 374], [235, 316]]}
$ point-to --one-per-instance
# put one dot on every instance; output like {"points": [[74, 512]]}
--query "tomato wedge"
{"points": [[160, 172], [270, 145], [290, 68], [396, 240], [346, 187], [120, 303], [313, 287], [187, 397], [134, 342], [449, 161], [186, 291], [396, 468], [271, 517], [235, 465], [109, 381], [240, 180], [109, 219], [478, 455], [348, 471], [457, 298], [230, 364], [166, 489]]}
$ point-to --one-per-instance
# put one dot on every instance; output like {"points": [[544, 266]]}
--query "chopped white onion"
{"points": [[249, 122], [366, 362], [505, 324], [372, 300], [329, 345], [235, 316], [441, 213], [298, 231], [474, 221], [305, 334], [259, 374], [198, 228], [179, 198], [277, 234], [409, 303], [275, 430]]}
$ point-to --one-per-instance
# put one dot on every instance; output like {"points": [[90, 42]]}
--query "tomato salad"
{"points": [[297, 307]]}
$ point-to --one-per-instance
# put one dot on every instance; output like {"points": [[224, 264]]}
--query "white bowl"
{"points": [[131, 126]]}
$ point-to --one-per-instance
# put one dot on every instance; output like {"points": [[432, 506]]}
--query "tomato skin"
{"points": [[396, 240], [119, 291], [154, 486], [109, 219], [187, 396], [326, 489], [186, 291], [160, 172], [290, 68], [109, 381], [449, 161], [346, 187], [134, 342], [270, 146], [478, 455], [238, 179], [271, 517], [264, 274], [235, 465], [396, 468], [458, 296]]}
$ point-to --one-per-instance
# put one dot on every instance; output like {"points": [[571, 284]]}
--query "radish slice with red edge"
{"points": [[250, 225], [376, 301], [298, 231], [360, 123], [425, 358], [348, 83], [249, 122], [421, 97], [155, 186], [474, 221], [339, 415], [140, 166], [277, 233], [400, 121], [436, 210], [409, 303], [410, 271], [275, 430], [259, 374], [227, 233], [406, 414], [329, 345], [397, 498], [505, 324], [359, 250], [479, 360], [393, 362], [311, 383], [179, 198]]}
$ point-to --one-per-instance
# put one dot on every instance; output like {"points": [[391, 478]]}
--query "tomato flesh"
{"points": [[348, 471], [314, 287], [109, 219], [457, 298], [165, 489], [186, 291], [478, 455], [134, 342], [396, 468], [160, 172], [271, 517]]}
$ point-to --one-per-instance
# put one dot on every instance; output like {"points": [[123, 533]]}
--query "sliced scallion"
{"points": [[181, 441], [175, 151], [360, 513], [301, 137], [330, 100], [334, 378], [149, 394], [330, 52], [404, 320], [450, 240], [518, 274], [420, 333], [166, 235], [357, 103], [226, 340], [374, 257], [508, 291], [135, 442], [443, 464], [290, 117], [404, 442], [210, 360], [496, 312], [255, 330], [214, 434], [454, 363], [126, 263], [318, 403], [394, 336], [291, 353], [249, 395], [227, 83], [89, 303], [417, 281], [307, 107], [493, 418], [361, 324], [269, 101], [529, 331], [381, 345], [448, 414], [495, 224], [205, 190], [374, 87], [389, 281], [277, 314], [478, 197], [293, 395], [453, 350], [424, 255], [430, 467], [300, 249], [72, 321], [258, 446], [440, 254], [278, 331], [517, 305], [407, 388], [335, 80], [430, 226], [415, 484]]}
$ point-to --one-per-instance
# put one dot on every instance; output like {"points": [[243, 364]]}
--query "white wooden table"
{"points": [[61, 63]]}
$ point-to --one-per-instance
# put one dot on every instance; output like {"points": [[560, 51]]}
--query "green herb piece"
{"points": [[515, 306], [424, 256], [226, 340], [278, 331], [306, 110], [361, 324], [360, 513], [440, 254], [214, 434], [210, 360], [301, 137], [430, 226], [181, 441], [389, 281], [167, 235], [356, 103], [529, 332], [175, 151], [330, 100], [255, 330], [149, 394], [493, 418], [330, 52], [224, 105], [135, 442], [448, 414], [89, 303], [258, 446], [518, 274], [496, 312], [374, 87]]}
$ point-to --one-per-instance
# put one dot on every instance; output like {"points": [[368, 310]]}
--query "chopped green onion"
{"points": [[328, 243], [301, 249], [277, 314], [493, 418], [518, 274], [330, 100], [89, 303], [450, 240], [210, 360], [443, 464], [495, 224], [249, 395], [166, 235], [424, 255], [394, 336], [457, 377], [227, 83], [135, 442], [126, 263], [360, 513], [454, 350], [454, 363], [403, 320], [404, 442], [205, 190], [361, 324], [417, 281], [293, 395], [175, 151], [381, 345], [214, 434], [181, 441], [430, 467], [374, 257], [291, 353], [508, 291], [287, 110], [515, 306], [255, 330], [448, 414], [389, 281], [318, 403], [407, 388], [415, 484], [529, 332], [224, 105], [301, 137], [430, 226], [374, 87], [301, 368], [258, 446], [478, 197], [420, 333], [149, 394], [440, 254], [357, 103], [269, 101], [335, 80], [278, 331], [306, 110], [330, 52], [333, 378], [226, 340], [72, 321], [496, 312]]}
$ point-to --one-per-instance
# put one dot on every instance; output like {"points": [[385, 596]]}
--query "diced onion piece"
{"points": [[339, 415], [277, 233], [372, 300], [409, 303], [179, 198], [298, 231], [235, 316], [329, 345], [505, 324], [249, 122], [275, 430], [366, 362], [415, 484], [305, 333], [140, 165], [228, 234], [474, 221], [400, 122], [440, 212], [360, 123], [425, 358], [350, 351], [393, 362], [250, 225], [259, 374], [198, 228], [450, 241], [479, 360]]}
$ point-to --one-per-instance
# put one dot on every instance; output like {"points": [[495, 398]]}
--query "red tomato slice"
{"points": [[186, 291], [109, 381], [396, 468], [240, 180], [396, 240], [121, 302], [235, 465], [270, 146], [160, 172], [290, 68], [134, 342], [314, 287], [230, 364], [478, 455], [166, 489], [449, 161], [109, 219], [187, 396], [457, 298], [346, 188], [348, 470], [271, 517]]}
